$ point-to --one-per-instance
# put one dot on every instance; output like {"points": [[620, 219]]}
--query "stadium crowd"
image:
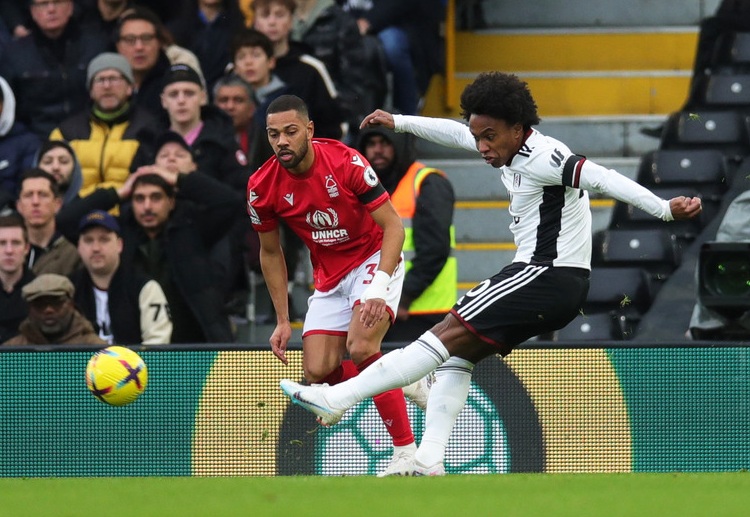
{"points": [[129, 130]]}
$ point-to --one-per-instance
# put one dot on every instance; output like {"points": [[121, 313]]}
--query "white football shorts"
{"points": [[331, 312]]}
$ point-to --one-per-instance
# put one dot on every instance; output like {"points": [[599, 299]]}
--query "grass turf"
{"points": [[509, 495]]}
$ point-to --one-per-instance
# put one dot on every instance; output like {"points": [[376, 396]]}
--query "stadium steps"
{"points": [[579, 72], [595, 90]]}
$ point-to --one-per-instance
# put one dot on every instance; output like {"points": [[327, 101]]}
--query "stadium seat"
{"points": [[680, 166], [722, 130], [724, 91], [623, 289], [732, 50], [590, 327], [628, 217], [654, 250]]}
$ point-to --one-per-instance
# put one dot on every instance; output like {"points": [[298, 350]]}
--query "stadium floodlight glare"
{"points": [[724, 278]]}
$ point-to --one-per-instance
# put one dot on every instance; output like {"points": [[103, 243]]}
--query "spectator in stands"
{"points": [[424, 199], [305, 75], [140, 37], [168, 238], [53, 318], [125, 307], [58, 159], [112, 137], [206, 128], [253, 61], [14, 245], [410, 34], [209, 133], [207, 32], [332, 36], [46, 69], [17, 147], [234, 96], [104, 15], [15, 17], [38, 202]]}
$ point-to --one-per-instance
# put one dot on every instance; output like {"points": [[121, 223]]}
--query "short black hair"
{"points": [[251, 38], [36, 172], [501, 96], [143, 14], [288, 103], [157, 180]]}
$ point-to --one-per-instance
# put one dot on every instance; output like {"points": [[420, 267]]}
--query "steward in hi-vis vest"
{"points": [[424, 198]]}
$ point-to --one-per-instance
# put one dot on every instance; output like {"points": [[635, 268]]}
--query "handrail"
{"points": [[450, 55]]}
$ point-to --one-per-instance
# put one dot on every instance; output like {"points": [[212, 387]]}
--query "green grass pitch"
{"points": [[508, 495]]}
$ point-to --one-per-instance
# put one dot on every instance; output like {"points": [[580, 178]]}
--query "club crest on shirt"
{"points": [[516, 180], [331, 186]]}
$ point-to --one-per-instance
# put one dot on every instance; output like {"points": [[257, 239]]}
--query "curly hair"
{"points": [[501, 96]]}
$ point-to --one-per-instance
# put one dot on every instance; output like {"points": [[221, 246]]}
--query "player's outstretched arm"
{"points": [[685, 207]]}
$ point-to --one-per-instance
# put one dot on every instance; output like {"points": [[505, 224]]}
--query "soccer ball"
{"points": [[116, 375]]}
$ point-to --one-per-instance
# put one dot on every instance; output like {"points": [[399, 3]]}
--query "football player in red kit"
{"points": [[332, 199]]}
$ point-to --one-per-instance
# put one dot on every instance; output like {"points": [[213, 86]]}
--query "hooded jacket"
{"points": [[17, 147], [76, 177], [430, 243]]}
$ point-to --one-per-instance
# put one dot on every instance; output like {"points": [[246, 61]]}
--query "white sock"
{"points": [[394, 370], [447, 398]]}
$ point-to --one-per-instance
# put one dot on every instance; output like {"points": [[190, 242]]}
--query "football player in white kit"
{"points": [[540, 291]]}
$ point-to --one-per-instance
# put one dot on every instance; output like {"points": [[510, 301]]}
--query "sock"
{"points": [[395, 369], [392, 409], [447, 398], [345, 371]]}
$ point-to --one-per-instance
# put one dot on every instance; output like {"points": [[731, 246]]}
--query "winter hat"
{"points": [[109, 60]]}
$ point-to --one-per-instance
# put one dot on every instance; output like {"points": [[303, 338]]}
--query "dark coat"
{"points": [[334, 38], [217, 152], [49, 76], [303, 79], [17, 151], [204, 211], [122, 301]]}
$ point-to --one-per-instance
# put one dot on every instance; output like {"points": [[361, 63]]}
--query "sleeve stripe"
{"points": [[572, 171]]}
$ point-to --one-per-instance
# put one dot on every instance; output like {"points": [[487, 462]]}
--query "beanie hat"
{"points": [[109, 60]]}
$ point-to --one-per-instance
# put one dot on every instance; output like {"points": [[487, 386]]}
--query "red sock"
{"points": [[392, 408], [346, 370]]}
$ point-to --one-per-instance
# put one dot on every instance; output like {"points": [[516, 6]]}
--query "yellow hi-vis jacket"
{"points": [[439, 296]]}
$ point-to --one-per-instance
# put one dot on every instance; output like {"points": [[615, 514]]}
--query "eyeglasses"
{"points": [[49, 3], [113, 80], [132, 39]]}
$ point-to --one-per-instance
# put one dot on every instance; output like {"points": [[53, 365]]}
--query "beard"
{"points": [[298, 157]]}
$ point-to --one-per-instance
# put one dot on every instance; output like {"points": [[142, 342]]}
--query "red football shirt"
{"points": [[328, 207]]}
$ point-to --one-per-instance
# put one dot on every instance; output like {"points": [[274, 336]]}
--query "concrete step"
{"points": [[575, 72], [602, 137], [472, 179], [489, 221]]}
